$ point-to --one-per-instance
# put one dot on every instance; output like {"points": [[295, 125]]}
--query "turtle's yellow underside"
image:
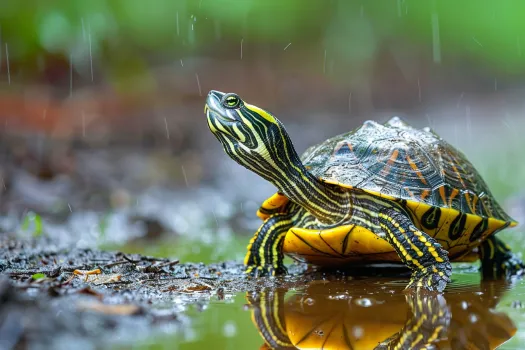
{"points": [[351, 243]]}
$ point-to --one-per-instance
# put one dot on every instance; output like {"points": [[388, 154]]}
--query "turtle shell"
{"points": [[400, 161]]}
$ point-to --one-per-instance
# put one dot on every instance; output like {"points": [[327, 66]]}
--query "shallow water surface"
{"points": [[358, 313]]}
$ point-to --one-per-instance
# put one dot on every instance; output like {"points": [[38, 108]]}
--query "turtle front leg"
{"points": [[497, 261], [431, 269], [265, 254]]}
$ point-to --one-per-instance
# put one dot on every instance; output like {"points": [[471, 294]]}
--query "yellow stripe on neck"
{"points": [[261, 112]]}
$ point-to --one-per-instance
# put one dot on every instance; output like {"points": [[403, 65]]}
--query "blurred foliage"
{"points": [[116, 31], [38, 276], [33, 222]]}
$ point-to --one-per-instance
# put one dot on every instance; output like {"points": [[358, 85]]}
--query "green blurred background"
{"points": [[103, 140]]}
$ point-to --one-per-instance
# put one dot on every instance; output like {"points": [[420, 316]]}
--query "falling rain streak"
{"points": [[0, 49], [177, 21], [185, 177], [7, 61], [468, 122], [198, 84], [287, 46], [436, 43], [242, 40], [476, 41], [167, 129], [90, 52], [460, 99], [324, 63], [71, 75], [419, 90], [83, 124]]}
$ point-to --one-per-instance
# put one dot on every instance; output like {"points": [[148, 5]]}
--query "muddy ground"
{"points": [[49, 300], [59, 298]]}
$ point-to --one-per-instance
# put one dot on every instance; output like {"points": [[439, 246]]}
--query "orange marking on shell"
{"points": [[475, 202], [424, 194], [442, 194], [487, 209], [453, 194], [416, 170], [455, 169], [389, 163], [470, 202], [410, 193]]}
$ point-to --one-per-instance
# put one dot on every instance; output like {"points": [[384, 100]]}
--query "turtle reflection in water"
{"points": [[381, 193], [327, 316]]}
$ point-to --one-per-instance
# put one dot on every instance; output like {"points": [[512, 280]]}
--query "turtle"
{"points": [[382, 193], [330, 316]]}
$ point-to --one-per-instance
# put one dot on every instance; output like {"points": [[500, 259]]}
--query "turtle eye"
{"points": [[231, 101]]}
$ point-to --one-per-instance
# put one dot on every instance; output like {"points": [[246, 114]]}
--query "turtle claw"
{"points": [[433, 278], [265, 270]]}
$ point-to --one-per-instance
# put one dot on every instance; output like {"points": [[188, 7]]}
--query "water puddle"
{"points": [[358, 314]]}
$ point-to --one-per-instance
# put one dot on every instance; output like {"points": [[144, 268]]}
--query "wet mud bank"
{"points": [[54, 298]]}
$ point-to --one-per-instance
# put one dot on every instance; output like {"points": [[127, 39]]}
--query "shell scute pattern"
{"points": [[408, 163]]}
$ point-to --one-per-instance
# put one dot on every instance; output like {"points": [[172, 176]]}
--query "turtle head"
{"points": [[251, 136], [257, 140]]}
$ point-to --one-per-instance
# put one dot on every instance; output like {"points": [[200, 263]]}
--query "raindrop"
{"points": [[464, 305], [182, 64], [364, 302], [358, 332], [309, 301], [229, 329], [287, 46], [473, 318], [319, 332]]}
